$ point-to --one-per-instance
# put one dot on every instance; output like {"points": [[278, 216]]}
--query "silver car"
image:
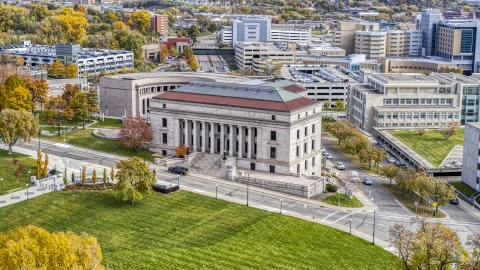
{"points": [[340, 166]]}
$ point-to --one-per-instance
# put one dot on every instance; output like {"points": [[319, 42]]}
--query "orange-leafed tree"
{"points": [[135, 132], [181, 150]]}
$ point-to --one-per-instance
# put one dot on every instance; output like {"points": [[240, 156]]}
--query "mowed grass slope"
{"points": [[189, 231], [432, 146], [7, 170]]}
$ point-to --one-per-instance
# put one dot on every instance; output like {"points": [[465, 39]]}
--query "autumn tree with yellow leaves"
{"points": [[32, 247]]}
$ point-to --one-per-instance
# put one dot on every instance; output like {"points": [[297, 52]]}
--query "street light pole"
{"points": [[38, 115], [281, 205], [1, 181], [351, 223], [373, 243], [305, 206], [436, 195], [27, 192], [216, 191], [248, 184], [64, 135]]}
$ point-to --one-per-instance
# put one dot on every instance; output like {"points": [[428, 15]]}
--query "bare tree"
{"points": [[449, 130], [404, 241], [473, 263], [347, 182]]}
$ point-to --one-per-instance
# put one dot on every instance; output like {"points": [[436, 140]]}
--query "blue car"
{"points": [[367, 181]]}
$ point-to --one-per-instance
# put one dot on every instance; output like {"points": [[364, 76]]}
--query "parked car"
{"points": [[178, 170], [354, 175], [327, 155], [340, 166], [367, 181], [454, 201], [392, 160]]}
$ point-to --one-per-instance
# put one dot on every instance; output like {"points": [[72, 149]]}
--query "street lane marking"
{"points": [[330, 215], [341, 218], [199, 191]]}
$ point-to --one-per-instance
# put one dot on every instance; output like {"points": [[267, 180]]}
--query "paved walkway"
{"points": [[21, 195]]}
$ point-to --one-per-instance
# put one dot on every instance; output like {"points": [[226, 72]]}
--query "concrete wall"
{"points": [[471, 155]]}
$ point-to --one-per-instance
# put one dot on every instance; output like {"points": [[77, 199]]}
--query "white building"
{"points": [[254, 55], [226, 35], [471, 156], [264, 128]]}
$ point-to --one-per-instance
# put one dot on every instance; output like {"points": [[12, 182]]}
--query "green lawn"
{"points": [[10, 182], [432, 146], [463, 188], [184, 230], [344, 202], [69, 123], [407, 201], [107, 123], [84, 138]]}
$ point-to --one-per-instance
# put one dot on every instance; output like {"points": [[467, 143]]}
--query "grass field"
{"points": [[107, 123], [344, 202], [10, 182], [432, 146], [84, 138], [463, 188], [184, 230], [407, 201]]}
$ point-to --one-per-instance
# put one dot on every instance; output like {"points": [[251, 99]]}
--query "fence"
{"points": [[304, 191]]}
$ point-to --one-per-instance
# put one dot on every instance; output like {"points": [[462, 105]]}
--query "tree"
{"points": [[473, 263], [15, 95], [192, 63], [326, 105], [356, 142], [79, 104], [94, 177], [193, 30], [39, 12], [379, 154], [17, 125], [414, 183], [73, 25], [104, 178], [181, 150], [173, 51], [57, 69], [139, 20], [340, 130], [39, 164], [340, 105], [38, 89], [347, 182], [134, 179], [365, 155], [112, 175], [84, 175], [404, 241], [271, 68], [437, 190], [402, 178], [446, 132], [390, 171], [69, 92], [65, 180], [31, 247], [163, 53], [135, 132], [71, 71], [212, 27], [56, 111], [44, 165], [119, 25]]}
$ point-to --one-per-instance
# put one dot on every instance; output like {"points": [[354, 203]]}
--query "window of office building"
{"points": [[273, 152], [273, 135], [164, 122]]}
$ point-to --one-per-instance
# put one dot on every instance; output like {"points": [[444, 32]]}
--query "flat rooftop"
{"points": [[178, 76], [391, 78], [458, 77]]}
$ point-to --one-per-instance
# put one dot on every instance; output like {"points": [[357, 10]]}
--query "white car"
{"points": [[327, 155], [340, 166], [392, 160]]}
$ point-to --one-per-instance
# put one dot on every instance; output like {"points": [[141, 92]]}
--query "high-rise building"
{"points": [[430, 19], [159, 24], [388, 43], [251, 30], [344, 36]]}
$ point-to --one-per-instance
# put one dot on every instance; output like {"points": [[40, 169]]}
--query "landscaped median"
{"points": [[406, 199], [185, 230], [344, 201]]}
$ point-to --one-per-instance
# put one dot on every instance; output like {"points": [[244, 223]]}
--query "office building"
{"points": [[264, 128], [388, 43], [251, 30], [344, 36], [429, 21], [471, 156], [159, 24], [403, 101]]}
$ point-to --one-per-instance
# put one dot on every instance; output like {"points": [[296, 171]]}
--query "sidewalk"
{"points": [[21, 195]]}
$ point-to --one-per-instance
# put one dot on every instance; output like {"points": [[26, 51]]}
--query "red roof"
{"points": [[295, 88], [288, 106]]}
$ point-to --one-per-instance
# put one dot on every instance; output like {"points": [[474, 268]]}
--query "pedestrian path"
{"points": [[22, 195]]}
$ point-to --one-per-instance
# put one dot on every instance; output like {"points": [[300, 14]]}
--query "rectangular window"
{"points": [[313, 161], [313, 144], [273, 152], [306, 164], [164, 122], [164, 105], [272, 169], [246, 132], [298, 150], [298, 134], [273, 117], [298, 168], [305, 147], [306, 131], [273, 135], [164, 138], [313, 128]]}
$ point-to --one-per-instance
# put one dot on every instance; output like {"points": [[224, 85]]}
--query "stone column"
{"points": [[180, 131], [194, 133], [187, 127], [249, 144], [212, 138], [204, 135], [222, 139], [230, 136], [240, 135]]}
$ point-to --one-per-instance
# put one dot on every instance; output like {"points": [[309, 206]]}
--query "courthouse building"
{"points": [[266, 128]]}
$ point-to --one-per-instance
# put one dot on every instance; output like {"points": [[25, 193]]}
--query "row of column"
{"points": [[184, 136]]}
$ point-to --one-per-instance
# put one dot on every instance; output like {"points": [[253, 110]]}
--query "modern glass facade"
{"points": [[470, 102], [68, 53]]}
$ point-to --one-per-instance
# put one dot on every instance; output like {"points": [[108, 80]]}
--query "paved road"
{"points": [[388, 212], [204, 63]]}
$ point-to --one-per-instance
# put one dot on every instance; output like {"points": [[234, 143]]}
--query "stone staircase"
{"points": [[205, 163]]}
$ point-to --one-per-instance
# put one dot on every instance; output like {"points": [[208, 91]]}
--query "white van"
{"points": [[354, 175]]}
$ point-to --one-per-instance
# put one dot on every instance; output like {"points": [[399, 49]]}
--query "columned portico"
{"points": [[194, 133], [212, 137], [230, 140], [186, 127], [204, 135], [240, 143], [248, 139], [222, 138]]}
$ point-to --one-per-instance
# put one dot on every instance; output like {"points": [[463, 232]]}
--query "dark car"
{"points": [[178, 170], [454, 201]]}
